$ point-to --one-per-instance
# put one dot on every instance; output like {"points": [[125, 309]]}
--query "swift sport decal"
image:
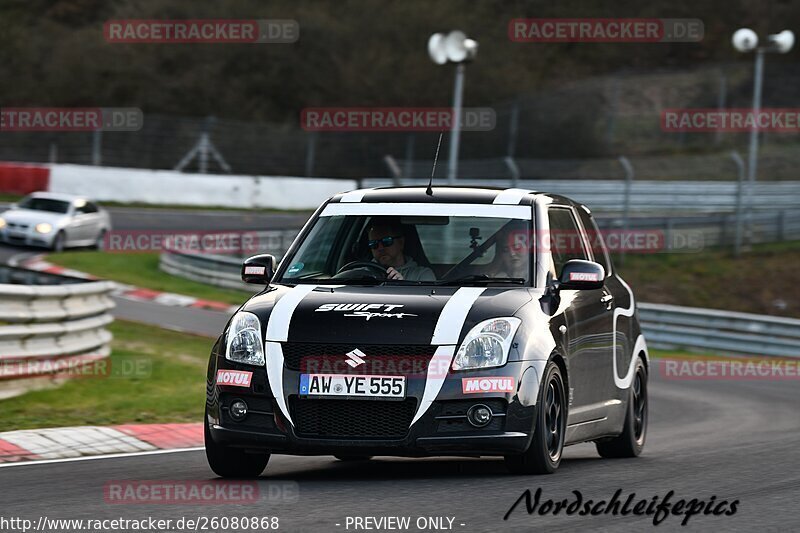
{"points": [[639, 345], [366, 311]]}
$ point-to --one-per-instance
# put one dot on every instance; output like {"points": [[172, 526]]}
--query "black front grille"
{"points": [[384, 359], [352, 418]]}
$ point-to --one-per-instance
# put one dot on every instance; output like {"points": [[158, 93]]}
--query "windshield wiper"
{"points": [[480, 278]]}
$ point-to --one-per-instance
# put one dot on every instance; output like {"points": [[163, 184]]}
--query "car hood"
{"points": [[380, 315], [29, 216]]}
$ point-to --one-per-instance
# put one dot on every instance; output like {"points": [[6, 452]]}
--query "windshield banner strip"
{"points": [[521, 212]]}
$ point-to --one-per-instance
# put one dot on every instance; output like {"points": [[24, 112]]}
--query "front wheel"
{"points": [[59, 241], [630, 442], [233, 462], [544, 453]]}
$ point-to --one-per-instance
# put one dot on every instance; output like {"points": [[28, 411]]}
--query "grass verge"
{"points": [[763, 280], [168, 385], [141, 269]]}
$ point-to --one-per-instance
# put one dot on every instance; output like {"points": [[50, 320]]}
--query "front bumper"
{"points": [[442, 430], [26, 237]]}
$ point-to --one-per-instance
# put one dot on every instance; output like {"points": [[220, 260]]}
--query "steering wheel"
{"points": [[376, 268]]}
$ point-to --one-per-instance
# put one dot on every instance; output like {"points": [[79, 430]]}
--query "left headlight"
{"points": [[487, 344], [244, 343], [2, 223], [44, 227]]}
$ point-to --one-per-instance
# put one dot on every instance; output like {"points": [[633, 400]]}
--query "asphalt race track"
{"points": [[736, 440]]}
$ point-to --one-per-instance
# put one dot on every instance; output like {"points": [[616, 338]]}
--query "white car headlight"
{"points": [[487, 344], [44, 227], [2, 223], [244, 343]]}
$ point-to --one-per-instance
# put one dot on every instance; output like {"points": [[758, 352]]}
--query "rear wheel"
{"points": [[100, 242], [233, 462], [630, 442], [544, 453]]}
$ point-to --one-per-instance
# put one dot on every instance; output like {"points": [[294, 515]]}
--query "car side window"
{"points": [[565, 240], [596, 240], [86, 208]]}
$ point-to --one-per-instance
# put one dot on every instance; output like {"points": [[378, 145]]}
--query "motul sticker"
{"points": [[234, 378], [478, 385], [254, 270], [583, 276]]}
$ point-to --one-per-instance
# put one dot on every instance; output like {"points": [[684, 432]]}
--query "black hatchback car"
{"points": [[414, 322]]}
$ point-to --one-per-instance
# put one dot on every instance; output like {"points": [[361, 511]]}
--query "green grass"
{"points": [[174, 390], [763, 280], [141, 269]]}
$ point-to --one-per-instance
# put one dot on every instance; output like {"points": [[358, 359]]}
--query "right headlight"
{"points": [[487, 344], [244, 343], [2, 223]]}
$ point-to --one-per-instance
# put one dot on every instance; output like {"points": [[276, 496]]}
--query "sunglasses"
{"points": [[386, 242]]}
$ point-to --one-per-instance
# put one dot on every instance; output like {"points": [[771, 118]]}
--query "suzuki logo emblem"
{"points": [[354, 358]]}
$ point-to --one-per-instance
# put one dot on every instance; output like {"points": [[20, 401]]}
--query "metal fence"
{"points": [[571, 130]]}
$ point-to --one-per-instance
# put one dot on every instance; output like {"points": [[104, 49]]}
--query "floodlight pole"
{"points": [[455, 132], [752, 161]]}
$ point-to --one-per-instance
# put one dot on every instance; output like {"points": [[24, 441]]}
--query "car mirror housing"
{"points": [[578, 274], [258, 269]]}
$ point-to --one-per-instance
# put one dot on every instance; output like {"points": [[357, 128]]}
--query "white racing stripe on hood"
{"points": [[438, 369], [274, 354], [277, 332], [281, 316], [453, 315]]}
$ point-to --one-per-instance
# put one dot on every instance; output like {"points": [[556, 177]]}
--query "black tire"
{"points": [[100, 243], [353, 458], [544, 453], [58, 242], [233, 462], [630, 442]]}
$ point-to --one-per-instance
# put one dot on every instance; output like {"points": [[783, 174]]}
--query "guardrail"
{"points": [[49, 324], [673, 327]]}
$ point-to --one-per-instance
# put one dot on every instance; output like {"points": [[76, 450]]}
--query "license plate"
{"points": [[352, 385]]}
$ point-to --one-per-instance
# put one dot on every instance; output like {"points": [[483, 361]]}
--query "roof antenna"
{"points": [[429, 190]]}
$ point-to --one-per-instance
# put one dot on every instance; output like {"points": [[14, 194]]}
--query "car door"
{"points": [[86, 222], [589, 318]]}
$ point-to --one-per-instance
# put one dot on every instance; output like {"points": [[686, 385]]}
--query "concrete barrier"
{"points": [[47, 328]]}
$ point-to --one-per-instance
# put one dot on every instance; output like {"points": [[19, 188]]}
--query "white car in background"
{"points": [[54, 221]]}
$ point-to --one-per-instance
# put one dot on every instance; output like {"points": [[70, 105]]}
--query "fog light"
{"points": [[479, 415], [238, 410]]}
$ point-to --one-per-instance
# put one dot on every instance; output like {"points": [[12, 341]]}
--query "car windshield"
{"points": [[44, 204], [422, 249]]}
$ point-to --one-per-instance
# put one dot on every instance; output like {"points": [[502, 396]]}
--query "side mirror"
{"points": [[578, 274], [258, 269]]}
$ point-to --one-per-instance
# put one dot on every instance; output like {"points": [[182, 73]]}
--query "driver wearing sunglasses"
{"points": [[386, 242]]}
